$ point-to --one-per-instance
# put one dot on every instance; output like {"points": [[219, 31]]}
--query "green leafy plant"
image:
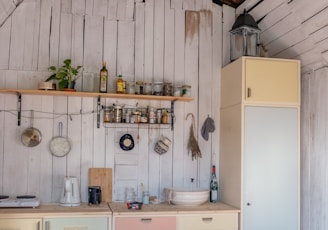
{"points": [[65, 75]]}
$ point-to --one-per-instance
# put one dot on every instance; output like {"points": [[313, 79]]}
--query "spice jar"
{"points": [[108, 114], [139, 87], [148, 88], [130, 87], [158, 88], [118, 114], [177, 90], [167, 89], [152, 115]]}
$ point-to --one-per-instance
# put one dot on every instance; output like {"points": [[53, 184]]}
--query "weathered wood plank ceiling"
{"points": [[292, 29]]}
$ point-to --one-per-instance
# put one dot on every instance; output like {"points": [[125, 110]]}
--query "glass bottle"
{"points": [[119, 84], [213, 187], [103, 79]]}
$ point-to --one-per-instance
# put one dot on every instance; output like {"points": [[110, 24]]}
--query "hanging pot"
{"points": [[31, 136], [60, 146]]}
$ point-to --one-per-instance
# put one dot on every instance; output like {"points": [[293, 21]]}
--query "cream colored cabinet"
{"points": [[21, 224], [261, 80], [77, 223], [259, 154], [145, 223], [225, 221]]}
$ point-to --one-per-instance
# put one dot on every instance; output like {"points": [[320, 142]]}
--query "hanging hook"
{"points": [[193, 118]]}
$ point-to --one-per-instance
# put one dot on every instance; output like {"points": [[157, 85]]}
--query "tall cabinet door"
{"points": [[270, 174]]}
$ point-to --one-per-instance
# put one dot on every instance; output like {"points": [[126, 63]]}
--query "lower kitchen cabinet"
{"points": [[20, 224], [76, 223], [145, 223], [225, 221]]}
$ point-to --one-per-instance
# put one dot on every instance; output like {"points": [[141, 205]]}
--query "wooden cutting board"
{"points": [[102, 177]]}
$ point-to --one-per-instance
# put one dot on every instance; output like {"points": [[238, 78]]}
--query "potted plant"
{"points": [[66, 75]]}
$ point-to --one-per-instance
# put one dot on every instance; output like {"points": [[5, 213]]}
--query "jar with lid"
{"points": [[148, 88], [130, 87], [108, 114], [152, 116], [177, 90], [118, 114], [186, 91], [158, 88], [167, 89], [139, 87], [145, 197]]}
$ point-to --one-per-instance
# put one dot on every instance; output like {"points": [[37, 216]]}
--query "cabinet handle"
{"points": [[249, 92], [47, 225], [38, 225], [146, 220], [248, 204], [207, 219]]}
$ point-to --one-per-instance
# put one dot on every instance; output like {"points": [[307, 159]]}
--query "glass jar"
{"points": [[167, 89], [186, 91], [145, 197], [158, 88], [177, 91], [152, 116], [108, 114], [148, 88], [139, 87], [130, 87]]}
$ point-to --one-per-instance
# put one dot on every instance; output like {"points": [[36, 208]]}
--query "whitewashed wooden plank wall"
{"points": [[172, 40]]}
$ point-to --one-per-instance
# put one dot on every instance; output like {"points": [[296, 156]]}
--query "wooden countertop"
{"points": [[117, 209], [167, 209], [55, 210]]}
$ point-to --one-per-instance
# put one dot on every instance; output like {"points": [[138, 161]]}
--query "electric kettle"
{"points": [[70, 195]]}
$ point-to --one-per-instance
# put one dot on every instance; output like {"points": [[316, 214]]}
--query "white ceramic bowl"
{"points": [[186, 197]]}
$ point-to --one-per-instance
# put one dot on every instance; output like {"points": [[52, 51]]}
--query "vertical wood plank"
{"points": [[180, 136], [89, 7], [158, 40], [216, 85], [78, 7], [169, 43], [55, 33], [228, 19], [5, 31], [65, 37], [66, 6], [192, 61], [87, 141], [139, 41], [189, 4], [77, 46], [121, 10], [149, 39], [112, 10], [44, 37], [93, 43], [110, 53], [176, 4], [100, 8], [125, 48]]}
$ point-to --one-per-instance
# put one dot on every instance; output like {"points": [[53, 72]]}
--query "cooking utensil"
{"points": [[31, 136], [60, 146]]}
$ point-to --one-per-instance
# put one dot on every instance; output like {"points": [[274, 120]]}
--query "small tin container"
{"points": [[167, 89], [148, 88], [139, 87], [130, 87]]}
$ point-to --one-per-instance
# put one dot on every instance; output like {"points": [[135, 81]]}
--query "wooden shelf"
{"points": [[94, 94]]}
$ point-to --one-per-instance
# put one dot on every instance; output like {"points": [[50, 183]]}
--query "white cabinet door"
{"points": [[270, 198], [76, 223]]}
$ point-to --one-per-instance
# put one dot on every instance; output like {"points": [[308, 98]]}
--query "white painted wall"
{"points": [[148, 41]]}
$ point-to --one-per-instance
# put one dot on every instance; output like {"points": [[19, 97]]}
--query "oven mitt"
{"points": [[208, 127]]}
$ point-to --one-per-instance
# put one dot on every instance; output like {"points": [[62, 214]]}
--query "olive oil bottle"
{"points": [[103, 79]]}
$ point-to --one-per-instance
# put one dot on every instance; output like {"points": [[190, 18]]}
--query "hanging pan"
{"points": [[60, 146], [31, 136]]}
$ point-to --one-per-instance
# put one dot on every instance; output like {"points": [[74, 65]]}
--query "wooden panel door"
{"points": [[145, 223], [269, 80], [270, 195], [208, 222], [20, 224], [76, 223]]}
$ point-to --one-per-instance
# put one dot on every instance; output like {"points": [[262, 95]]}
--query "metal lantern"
{"points": [[244, 37]]}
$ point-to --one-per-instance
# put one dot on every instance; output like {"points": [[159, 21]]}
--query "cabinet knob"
{"points": [[248, 204]]}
